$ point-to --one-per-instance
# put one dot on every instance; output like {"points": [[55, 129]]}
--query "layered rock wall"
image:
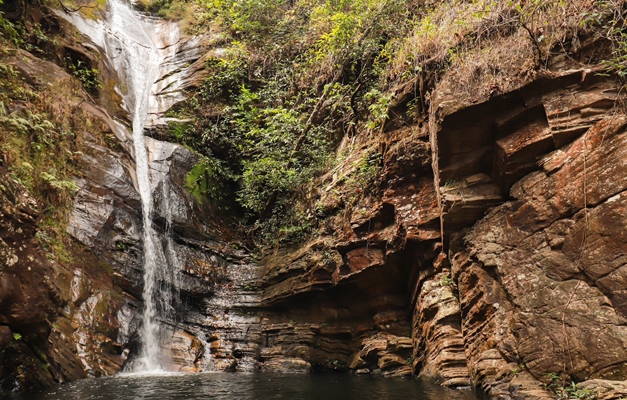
{"points": [[527, 280], [527, 277]]}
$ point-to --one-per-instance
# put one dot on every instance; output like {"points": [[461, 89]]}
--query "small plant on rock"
{"points": [[86, 75], [446, 280], [567, 391]]}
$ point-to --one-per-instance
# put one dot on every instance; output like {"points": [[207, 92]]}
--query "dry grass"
{"points": [[484, 47], [433, 35], [481, 72]]}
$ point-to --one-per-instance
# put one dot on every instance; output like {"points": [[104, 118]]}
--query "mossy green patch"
{"points": [[197, 182], [207, 181]]}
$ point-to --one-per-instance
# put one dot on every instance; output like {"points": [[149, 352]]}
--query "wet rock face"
{"points": [[57, 317], [56, 321], [106, 216], [208, 275]]}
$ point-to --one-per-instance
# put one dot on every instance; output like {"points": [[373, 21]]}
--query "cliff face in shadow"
{"points": [[491, 254]]}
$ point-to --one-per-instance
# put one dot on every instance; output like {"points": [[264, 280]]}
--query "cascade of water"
{"points": [[142, 63], [127, 40], [140, 75]]}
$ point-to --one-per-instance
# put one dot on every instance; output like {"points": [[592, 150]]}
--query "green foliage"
{"points": [[163, 8], [207, 180], [261, 178], [51, 237], [256, 137], [273, 130], [85, 74], [617, 63], [11, 31], [24, 35], [285, 225], [226, 77], [567, 391], [40, 135], [608, 20], [29, 123], [296, 76], [446, 280], [59, 184], [17, 336], [379, 106], [368, 168], [270, 164], [8, 72], [247, 17], [296, 231], [38, 147], [180, 132]]}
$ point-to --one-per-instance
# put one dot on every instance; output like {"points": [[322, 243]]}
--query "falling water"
{"points": [[127, 40], [142, 66]]}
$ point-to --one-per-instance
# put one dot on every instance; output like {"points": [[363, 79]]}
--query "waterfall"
{"points": [[132, 46], [142, 63]]}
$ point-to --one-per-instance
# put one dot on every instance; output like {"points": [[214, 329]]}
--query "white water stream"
{"points": [[136, 47], [142, 63]]}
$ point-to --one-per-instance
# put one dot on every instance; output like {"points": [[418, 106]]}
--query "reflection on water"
{"points": [[251, 386]]}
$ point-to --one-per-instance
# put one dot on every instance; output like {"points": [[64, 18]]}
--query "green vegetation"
{"points": [[610, 15], [296, 77], [85, 74], [206, 180], [446, 280], [92, 9], [39, 145], [567, 391], [27, 36], [169, 9]]}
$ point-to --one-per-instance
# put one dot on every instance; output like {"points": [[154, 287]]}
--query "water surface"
{"points": [[243, 386]]}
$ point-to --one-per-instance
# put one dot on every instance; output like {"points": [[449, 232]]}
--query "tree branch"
{"points": [[70, 10]]}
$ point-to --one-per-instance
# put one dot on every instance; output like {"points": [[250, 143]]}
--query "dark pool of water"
{"points": [[251, 386]]}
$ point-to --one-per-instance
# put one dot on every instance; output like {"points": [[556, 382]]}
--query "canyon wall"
{"points": [[492, 254]]}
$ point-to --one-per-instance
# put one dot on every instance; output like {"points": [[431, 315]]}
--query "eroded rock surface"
{"points": [[58, 321], [533, 287], [526, 278], [57, 317]]}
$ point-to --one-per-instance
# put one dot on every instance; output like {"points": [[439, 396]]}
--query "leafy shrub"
{"points": [[248, 17], [88, 76], [567, 391], [226, 76]]}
